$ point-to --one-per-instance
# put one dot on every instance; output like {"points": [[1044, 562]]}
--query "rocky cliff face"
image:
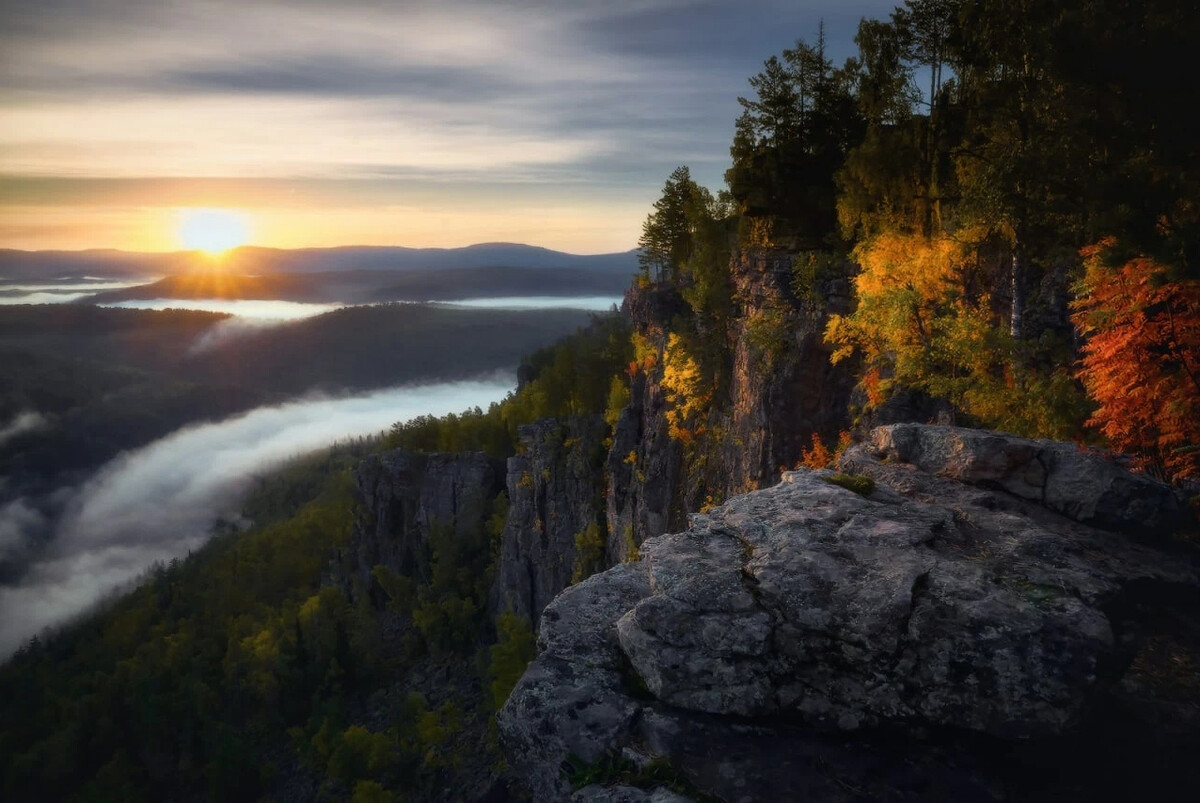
{"points": [[555, 525], [783, 388], [644, 468], [405, 494], [961, 628]]}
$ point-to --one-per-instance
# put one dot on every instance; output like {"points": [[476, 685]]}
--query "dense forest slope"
{"points": [[953, 614]]}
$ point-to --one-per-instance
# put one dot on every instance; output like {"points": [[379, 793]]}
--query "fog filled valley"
{"points": [[126, 434]]}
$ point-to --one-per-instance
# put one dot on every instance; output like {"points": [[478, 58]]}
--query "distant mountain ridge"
{"points": [[364, 286], [25, 265]]}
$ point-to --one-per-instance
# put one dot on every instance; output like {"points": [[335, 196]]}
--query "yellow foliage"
{"points": [[687, 393], [915, 327], [645, 354], [894, 261]]}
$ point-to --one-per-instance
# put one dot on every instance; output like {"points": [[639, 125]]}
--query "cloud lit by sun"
{"points": [[212, 230]]}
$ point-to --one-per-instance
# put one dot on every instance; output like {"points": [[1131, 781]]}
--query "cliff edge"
{"points": [[961, 615]]}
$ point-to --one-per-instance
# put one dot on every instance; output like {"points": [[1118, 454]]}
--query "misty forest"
{"points": [[983, 222]]}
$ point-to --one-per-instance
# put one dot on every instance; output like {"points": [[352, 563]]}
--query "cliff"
{"points": [[777, 391], [554, 531], [783, 387], [405, 495], [968, 625]]}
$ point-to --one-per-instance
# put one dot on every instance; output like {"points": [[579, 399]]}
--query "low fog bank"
{"points": [[589, 303], [160, 501], [59, 292], [260, 309]]}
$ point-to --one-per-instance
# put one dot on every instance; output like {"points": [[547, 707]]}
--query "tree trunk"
{"points": [[1017, 286]]}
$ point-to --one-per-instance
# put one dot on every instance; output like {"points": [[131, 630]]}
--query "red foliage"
{"points": [[1141, 363]]}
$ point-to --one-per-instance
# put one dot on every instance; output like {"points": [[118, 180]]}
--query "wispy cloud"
{"points": [[534, 95], [21, 423]]}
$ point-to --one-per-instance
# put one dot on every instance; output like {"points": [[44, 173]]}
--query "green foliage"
{"points": [[401, 591], [590, 547], [666, 241], [863, 486], [371, 792], [767, 333], [812, 271], [511, 654], [618, 400], [572, 377], [177, 684], [458, 577], [360, 753], [612, 769]]}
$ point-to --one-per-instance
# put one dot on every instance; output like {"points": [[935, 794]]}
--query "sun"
{"points": [[212, 230]]}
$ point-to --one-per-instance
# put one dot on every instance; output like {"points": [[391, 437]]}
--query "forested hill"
{"points": [[987, 218], [32, 265]]}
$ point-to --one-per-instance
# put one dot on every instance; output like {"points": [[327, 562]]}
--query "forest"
{"points": [[241, 670], [1000, 184]]}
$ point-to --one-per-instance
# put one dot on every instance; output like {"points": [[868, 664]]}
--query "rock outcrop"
{"points": [[913, 642], [783, 386], [405, 494], [555, 493], [644, 470], [781, 391], [1085, 486]]}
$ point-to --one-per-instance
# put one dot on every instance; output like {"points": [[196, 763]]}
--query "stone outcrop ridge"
{"points": [[1085, 486], [806, 642], [405, 494], [553, 492], [779, 398]]}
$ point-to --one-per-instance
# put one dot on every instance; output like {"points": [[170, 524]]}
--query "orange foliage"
{"points": [[1141, 363], [818, 456]]}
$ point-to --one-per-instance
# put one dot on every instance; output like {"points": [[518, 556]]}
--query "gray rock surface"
{"points": [[1084, 485], [405, 494], [553, 497], [779, 399], [644, 469], [775, 648], [625, 794]]}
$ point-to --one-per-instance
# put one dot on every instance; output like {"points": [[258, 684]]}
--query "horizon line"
{"points": [[250, 246]]}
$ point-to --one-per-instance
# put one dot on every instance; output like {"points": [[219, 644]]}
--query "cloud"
{"points": [[583, 106], [22, 423], [18, 521], [159, 502]]}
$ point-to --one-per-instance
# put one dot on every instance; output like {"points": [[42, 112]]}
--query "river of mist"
{"points": [[160, 501]]}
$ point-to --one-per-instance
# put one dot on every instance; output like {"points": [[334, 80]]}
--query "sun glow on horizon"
{"points": [[212, 230]]}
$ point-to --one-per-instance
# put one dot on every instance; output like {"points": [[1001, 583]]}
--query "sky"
{"points": [[362, 122]]}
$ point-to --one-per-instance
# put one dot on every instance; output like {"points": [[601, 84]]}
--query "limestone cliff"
{"points": [[951, 631]]}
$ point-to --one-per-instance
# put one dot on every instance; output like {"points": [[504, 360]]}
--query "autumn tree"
{"points": [[1141, 362]]}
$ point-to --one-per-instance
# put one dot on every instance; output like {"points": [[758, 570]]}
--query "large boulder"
{"points": [[1084, 485], [810, 642]]}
